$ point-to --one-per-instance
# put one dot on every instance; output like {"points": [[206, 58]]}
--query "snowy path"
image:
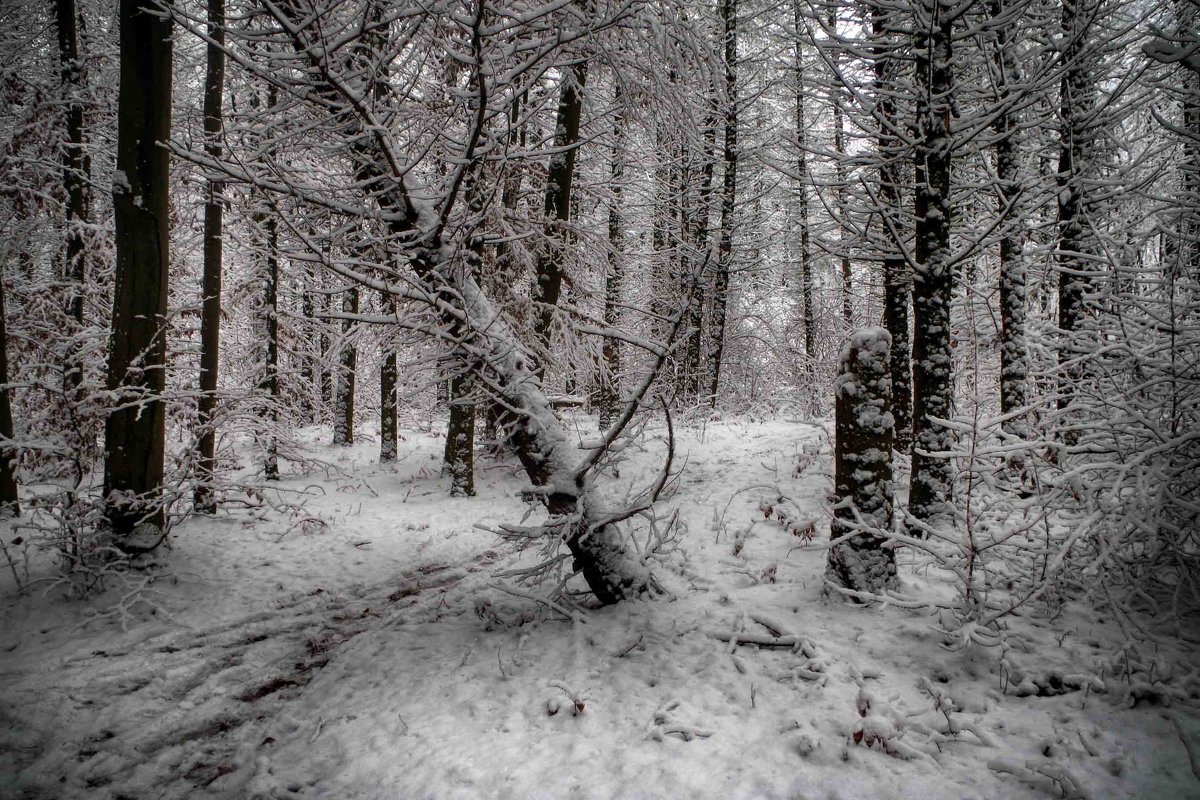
{"points": [[310, 666]]}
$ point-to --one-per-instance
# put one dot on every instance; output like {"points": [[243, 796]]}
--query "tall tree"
{"points": [[204, 499], [933, 359], [839, 168], [9, 501], [548, 271], [1014, 359], [134, 436], [75, 178], [343, 400], [1076, 176], [720, 293], [388, 429], [610, 383], [270, 323], [803, 180], [897, 278]]}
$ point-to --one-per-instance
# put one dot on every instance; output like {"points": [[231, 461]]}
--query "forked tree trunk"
{"points": [[863, 465], [210, 310], [134, 435]]}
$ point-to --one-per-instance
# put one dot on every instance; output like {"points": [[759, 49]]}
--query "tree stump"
{"points": [[863, 465]]}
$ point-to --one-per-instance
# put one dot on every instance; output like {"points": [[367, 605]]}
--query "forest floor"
{"points": [[360, 645]]}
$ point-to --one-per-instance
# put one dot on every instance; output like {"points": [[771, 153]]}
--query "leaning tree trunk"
{"points": [[863, 466], [134, 435], [933, 359], [612, 568], [210, 308], [9, 502]]}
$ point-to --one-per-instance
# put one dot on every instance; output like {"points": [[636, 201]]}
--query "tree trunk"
{"points": [[612, 569], [1074, 170], [135, 430], [607, 404], [343, 401], [271, 325], [459, 462], [548, 274], [863, 465], [802, 182], [1014, 359], [897, 280], [728, 199], [839, 167], [210, 315], [9, 502], [933, 359], [388, 428], [75, 177]]}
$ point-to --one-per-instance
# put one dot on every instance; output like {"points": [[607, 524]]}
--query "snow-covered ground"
{"points": [[362, 648]]}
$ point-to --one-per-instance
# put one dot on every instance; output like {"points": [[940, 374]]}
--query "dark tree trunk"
{"points": [[75, 177], [839, 167], [271, 329], [9, 502], [388, 429], [695, 345], [607, 403], [1014, 359], [863, 465], [933, 359], [1074, 246], [897, 280], [210, 316], [459, 462], [720, 298], [135, 430], [548, 273], [802, 182], [309, 363], [343, 402]]}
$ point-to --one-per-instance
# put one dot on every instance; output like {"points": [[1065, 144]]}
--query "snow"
{"points": [[364, 648]]}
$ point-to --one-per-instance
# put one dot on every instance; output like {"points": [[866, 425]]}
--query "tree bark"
{"points": [[343, 402], [75, 177], [802, 183], [839, 167], [548, 273], [1014, 359], [10, 503], [459, 460], [897, 279], [720, 298], [271, 330], [388, 428], [933, 359], [610, 383], [135, 430], [863, 465], [203, 499]]}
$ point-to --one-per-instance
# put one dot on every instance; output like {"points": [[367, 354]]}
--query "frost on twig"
{"points": [[664, 724], [1044, 775]]}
